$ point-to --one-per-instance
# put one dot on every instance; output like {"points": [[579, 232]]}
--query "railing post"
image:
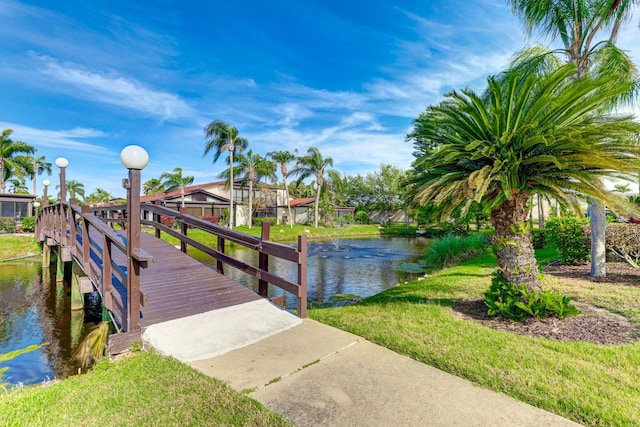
{"points": [[263, 260], [183, 230], [133, 246], [107, 273], [220, 264], [72, 227], [156, 219], [86, 244], [302, 277]]}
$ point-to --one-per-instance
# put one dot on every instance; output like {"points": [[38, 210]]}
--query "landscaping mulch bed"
{"points": [[594, 325]]}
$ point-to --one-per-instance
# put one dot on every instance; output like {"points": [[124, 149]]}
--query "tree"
{"points": [[38, 166], [8, 151], [283, 158], [313, 164], [222, 137], [577, 24], [251, 168], [388, 188], [545, 134], [174, 180], [99, 196], [18, 186], [152, 186], [75, 189]]}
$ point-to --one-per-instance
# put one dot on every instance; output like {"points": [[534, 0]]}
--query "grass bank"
{"points": [[284, 233], [143, 390], [588, 383], [18, 245]]}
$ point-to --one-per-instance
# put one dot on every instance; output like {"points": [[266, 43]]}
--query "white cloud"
{"points": [[116, 90], [59, 139]]}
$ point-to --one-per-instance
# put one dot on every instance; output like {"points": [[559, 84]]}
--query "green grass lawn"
{"points": [[588, 383], [142, 390], [18, 245]]}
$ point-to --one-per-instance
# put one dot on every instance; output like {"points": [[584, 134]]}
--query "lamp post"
{"points": [[134, 158], [45, 199], [62, 163], [36, 205]]}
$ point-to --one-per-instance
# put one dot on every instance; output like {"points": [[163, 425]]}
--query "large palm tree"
{"points": [[8, 151], [222, 137], [588, 31], [174, 180], [251, 168], [545, 134], [283, 158], [313, 164]]}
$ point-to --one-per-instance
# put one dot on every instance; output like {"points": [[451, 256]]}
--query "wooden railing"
{"points": [[70, 226], [152, 216]]}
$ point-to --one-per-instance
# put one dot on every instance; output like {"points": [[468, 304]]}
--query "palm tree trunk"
{"points": [[516, 257], [286, 191], [182, 195], [598, 225], [35, 179], [2, 183], [250, 203], [231, 213], [315, 219]]}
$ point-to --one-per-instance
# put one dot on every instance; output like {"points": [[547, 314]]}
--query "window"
{"points": [[8, 209]]}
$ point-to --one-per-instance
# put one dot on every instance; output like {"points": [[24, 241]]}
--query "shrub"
{"points": [[362, 217], [539, 236], [8, 225], [515, 302], [258, 221], [167, 221], [623, 240], [452, 250], [211, 219], [571, 241], [347, 219], [29, 224]]}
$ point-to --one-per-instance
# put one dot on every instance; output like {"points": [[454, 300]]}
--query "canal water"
{"points": [[36, 310]]}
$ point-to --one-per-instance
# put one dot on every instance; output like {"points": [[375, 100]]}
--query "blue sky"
{"points": [[84, 79]]}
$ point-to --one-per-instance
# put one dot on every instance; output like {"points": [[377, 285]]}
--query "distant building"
{"points": [[16, 206]]}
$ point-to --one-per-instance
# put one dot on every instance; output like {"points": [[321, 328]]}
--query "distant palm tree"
{"points": [[174, 180], [313, 164], [152, 186], [40, 166], [223, 137], [8, 150], [75, 188], [99, 196], [18, 186], [283, 158], [251, 168]]}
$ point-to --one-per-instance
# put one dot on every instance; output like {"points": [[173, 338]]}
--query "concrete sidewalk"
{"points": [[317, 375]]}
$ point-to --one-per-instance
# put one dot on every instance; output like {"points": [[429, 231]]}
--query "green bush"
{"points": [[258, 221], [362, 217], [452, 250], [8, 225], [347, 219], [539, 236], [29, 224], [515, 302], [571, 241]]}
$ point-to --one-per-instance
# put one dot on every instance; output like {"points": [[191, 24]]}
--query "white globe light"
{"points": [[134, 157], [36, 204], [46, 182], [62, 162]]}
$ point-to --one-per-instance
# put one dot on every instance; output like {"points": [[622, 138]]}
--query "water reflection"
{"points": [[35, 310], [354, 266]]}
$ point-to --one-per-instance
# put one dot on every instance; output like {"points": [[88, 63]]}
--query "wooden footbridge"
{"points": [[144, 280]]}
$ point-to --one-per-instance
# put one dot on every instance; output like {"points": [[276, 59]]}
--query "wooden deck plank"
{"points": [[177, 285]]}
